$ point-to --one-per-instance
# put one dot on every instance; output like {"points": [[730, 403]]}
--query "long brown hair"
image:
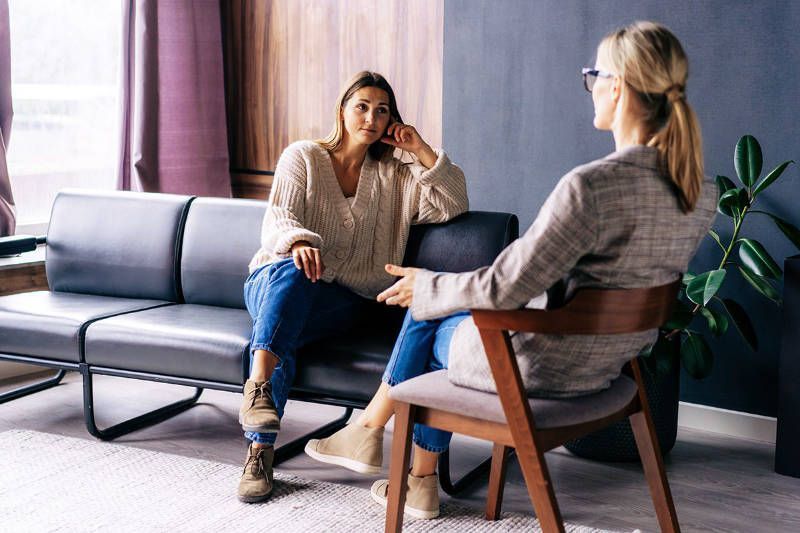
{"points": [[651, 61], [377, 150]]}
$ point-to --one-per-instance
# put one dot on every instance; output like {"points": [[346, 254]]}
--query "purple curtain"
{"points": [[7, 215], [174, 134]]}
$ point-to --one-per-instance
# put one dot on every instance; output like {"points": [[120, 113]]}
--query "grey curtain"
{"points": [[174, 136], [7, 215]]}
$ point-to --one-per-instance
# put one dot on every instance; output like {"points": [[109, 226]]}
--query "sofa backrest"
{"points": [[220, 237], [467, 242], [115, 243]]}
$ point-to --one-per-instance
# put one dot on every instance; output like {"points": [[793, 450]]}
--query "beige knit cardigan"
{"points": [[306, 203]]}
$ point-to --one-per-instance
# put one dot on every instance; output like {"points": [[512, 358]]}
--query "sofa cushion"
{"points": [[350, 366], [190, 341], [435, 390], [220, 238], [120, 244], [48, 324]]}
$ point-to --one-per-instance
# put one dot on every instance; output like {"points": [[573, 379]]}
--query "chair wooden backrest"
{"points": [[589, 312]]}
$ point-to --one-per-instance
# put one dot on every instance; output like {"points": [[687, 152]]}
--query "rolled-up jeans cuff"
{"points": [[428, 447], [268, 347], [261, 438]]}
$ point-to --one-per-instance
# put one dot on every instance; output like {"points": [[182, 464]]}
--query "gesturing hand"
{"points": [[402, 292], [406, 137], [307, 259]]}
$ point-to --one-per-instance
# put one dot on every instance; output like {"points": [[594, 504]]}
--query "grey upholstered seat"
{"points": [[107, 253], [188, 341], [207, 337], [49, 324], [435, 390]]}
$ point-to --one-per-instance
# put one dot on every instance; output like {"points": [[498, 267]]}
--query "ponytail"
{"points": [[681, 147]]}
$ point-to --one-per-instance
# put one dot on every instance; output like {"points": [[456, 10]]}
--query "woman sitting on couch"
{"points": [[631, 219], [339, 210]]}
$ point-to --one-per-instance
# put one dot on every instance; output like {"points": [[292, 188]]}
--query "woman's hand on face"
{"points": [[406, 137], [402, 292], [307, 259]]}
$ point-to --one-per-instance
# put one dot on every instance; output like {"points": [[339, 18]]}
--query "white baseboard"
{"points": [[730, 423]]}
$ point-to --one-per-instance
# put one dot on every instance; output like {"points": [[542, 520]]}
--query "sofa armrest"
{"points": [[18, 244], [469, 241]]}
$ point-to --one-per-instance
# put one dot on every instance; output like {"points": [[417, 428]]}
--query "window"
{"points": [[65, 71]]}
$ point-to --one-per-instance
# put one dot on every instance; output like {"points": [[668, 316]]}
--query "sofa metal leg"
{"points": [[139, 422], [453, 488], [290, 449], [32, 388]]}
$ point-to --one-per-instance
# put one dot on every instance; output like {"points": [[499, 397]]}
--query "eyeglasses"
{"points": [[590, 76]]}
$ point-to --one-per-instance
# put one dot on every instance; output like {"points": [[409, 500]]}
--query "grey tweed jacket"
{"points": [[612, 223]]}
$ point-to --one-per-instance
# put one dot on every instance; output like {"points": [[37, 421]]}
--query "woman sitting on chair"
{"points": [[631, 219]]}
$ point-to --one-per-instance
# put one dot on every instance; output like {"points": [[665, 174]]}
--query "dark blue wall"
{"points": [[516, 118]]}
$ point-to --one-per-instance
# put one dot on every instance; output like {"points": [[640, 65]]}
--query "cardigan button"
{"points": [[348, 224], [340, 254]]}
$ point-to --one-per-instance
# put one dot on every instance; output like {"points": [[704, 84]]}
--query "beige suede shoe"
{"points": [[258, 412], [422, 496], [354, 447], [255, 484]]}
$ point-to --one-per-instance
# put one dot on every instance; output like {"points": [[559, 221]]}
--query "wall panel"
{"points": [[286, 61]]}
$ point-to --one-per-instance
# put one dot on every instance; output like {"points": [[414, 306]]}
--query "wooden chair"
{"points": [[510, 419]]}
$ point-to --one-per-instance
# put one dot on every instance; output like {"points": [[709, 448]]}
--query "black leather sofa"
{"points": [[149, 286]]}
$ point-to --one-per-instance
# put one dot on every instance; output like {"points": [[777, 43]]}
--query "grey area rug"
{"points": [[54, 483]]}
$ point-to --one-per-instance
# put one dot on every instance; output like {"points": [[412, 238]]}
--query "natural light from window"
{"points": [[65, 67]]}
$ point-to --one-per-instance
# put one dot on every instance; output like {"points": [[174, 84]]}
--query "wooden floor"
{"points": [[719, 483]]}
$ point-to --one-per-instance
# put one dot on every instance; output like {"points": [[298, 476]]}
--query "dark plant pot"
{"points": [[616, 442]]}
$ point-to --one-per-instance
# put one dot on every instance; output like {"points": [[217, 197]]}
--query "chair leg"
{"points": [[653, 465], [35, 387], [139, 422], [398, 469], [540, 491], [497, 480]]}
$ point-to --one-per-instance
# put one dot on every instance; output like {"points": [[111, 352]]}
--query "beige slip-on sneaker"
{"points": [[354, 447], [255, 485], [258, 412], [422, 496]]}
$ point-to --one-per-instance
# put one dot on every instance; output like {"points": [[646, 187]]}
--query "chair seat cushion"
{"points": [[184, 340], [435, 390], [47, 325]]}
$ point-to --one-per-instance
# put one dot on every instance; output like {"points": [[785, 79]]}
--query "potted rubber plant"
{"points": [[680, 342]]}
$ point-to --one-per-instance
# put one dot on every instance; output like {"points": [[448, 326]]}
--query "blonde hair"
{"points": [[651, 61], [377, 150]]}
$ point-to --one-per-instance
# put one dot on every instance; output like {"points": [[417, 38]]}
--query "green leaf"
{"points": [[747, 160], [661, 357], [696, 356], [759, 283], [790, 230], [704, 286], [687, 278], [728, 204], [724, 184], [755, 256], [714, 235], [742, 322], [681, 317], [717, 322], [772, 176]]}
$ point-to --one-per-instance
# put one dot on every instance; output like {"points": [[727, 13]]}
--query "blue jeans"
{"points": [[289, 311], [423, 347]]}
